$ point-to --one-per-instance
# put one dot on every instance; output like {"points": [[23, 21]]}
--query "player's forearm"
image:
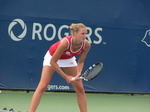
{"points": [[58, 69], [80, 67]]}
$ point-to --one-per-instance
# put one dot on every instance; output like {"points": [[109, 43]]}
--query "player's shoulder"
{"points": [[64, 42], [87, 44], [67, 38]]}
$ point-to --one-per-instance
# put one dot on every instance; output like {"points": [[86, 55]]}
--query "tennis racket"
{"points": [[92, 72]]}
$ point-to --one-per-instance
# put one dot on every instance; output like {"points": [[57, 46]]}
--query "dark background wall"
{"points": [[118, 31]]}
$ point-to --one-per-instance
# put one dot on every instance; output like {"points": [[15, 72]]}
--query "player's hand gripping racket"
{"points": [[92, 72]]}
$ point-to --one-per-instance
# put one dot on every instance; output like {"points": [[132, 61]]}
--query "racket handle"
{"points": [[81, 77], [73, 78]]}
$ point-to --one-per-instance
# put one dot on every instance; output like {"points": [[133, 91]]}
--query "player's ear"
{"points": [[74, 33]]}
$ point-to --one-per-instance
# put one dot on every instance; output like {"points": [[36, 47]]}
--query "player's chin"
{"points": [[83, 39]]}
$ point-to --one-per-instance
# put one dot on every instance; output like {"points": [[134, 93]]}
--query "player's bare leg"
{"points": [[44, 81], [79, 89]]}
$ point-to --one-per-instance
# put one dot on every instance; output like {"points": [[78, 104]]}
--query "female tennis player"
{"points": [[62, 55]]}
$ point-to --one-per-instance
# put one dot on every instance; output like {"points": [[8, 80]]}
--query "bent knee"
{"points": [[80, 90], [80, 93], [41, 88]]}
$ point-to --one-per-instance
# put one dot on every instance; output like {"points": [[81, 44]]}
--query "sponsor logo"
{"points": [[12, 25], [71, 63], [68, 53], [146, 38], [58, 87], [49, 32]]}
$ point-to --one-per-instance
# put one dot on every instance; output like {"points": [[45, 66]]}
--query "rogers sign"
{"points": [[41, 32]]}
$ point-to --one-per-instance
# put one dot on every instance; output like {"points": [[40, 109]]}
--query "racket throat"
{"points": [[84, 78]]}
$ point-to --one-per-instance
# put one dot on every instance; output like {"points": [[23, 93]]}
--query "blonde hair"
{"points": [[76, 27]]}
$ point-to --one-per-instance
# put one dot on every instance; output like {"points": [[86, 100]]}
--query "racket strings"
{"points": [[92, 72]]}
